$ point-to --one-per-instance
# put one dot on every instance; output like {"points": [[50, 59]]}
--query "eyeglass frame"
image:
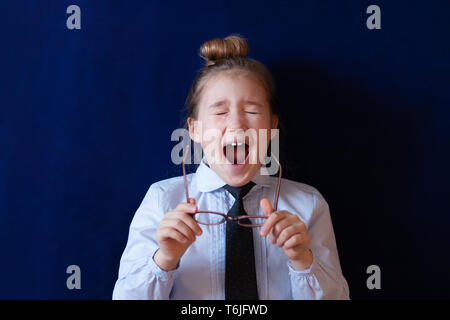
{"points": [[224, 216]]}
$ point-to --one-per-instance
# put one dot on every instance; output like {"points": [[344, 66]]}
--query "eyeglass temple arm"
{"points": [[279, 182], [185, 153]]}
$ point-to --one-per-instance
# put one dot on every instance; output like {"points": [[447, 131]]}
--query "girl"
{"points": [[178, 249]]}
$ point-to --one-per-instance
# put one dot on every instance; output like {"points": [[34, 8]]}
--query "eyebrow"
{"points": [[217, 104], [222, 102], [253, 103]]}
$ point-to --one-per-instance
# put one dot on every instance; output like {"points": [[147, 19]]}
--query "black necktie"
{"points": [[240, 274]]}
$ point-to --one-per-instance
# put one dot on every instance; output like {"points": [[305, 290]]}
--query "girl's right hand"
{"points": [[176, 232]]}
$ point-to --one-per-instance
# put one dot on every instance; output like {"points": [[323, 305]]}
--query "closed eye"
{"points": [[251, 112]]}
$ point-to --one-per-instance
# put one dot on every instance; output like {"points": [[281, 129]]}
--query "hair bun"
{"points": [[232, 46]]}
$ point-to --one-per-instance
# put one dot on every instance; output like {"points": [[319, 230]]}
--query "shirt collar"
{"points": [[209, 180]]}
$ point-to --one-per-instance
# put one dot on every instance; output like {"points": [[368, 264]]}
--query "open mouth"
{"points": [[236, 152]]}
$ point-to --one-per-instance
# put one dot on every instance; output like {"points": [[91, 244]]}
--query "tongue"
{"points": [[235, 154]]}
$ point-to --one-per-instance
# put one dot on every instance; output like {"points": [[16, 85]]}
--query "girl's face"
{"points": [[230, 104]]}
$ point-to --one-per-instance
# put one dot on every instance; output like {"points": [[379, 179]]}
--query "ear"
{"points": [[274, 121], [194, 129]]}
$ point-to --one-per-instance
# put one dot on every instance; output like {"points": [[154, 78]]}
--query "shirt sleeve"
{"points": [[323, 279], [139, 276]]}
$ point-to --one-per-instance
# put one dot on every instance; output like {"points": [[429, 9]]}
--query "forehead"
{"points": [[232, 85]]}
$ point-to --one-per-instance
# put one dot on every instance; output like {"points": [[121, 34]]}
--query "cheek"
{"points": [[264, 120], [264, 137], [263, 123], [211, 131]]}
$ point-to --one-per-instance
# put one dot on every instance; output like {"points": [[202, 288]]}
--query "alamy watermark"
{"points": [[232, 147], [74, 20], [374, 280], [373, 22], [74, 280]]}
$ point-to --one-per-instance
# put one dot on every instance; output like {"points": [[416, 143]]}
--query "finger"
{"points": [[278, 228], [293, 241], [288, 220], [187, 218], [190, 221], [186, 207], [266, 206], [171, 233], [186, 210], [191, 201], [297, 239], [271, 221], [286, 234], [181, 227]]}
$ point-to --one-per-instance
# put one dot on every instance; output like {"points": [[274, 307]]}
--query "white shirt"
{"points": [[201, 272]]}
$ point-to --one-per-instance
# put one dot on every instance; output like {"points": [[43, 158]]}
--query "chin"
{"points": [[237, 175]]}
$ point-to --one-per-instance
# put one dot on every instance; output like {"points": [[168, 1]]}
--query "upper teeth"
{"points": [[234, 144]]}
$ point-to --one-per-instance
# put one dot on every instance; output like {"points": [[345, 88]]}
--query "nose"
{"points": [[236, 120]]}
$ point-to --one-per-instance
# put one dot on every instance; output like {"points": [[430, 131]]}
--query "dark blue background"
{"points": [[86, 118]]}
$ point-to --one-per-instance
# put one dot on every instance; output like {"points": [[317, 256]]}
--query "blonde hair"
{"points": [[218, 49], [225, 55]]}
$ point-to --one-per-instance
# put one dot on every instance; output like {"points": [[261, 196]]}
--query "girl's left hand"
{"points": [[288, 232]]}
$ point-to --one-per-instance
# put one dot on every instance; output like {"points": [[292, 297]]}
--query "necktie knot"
{"points": [[239, 192]]}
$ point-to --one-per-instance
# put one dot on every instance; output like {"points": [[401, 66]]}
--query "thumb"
{"points": [[191, 201], [266, 206]]}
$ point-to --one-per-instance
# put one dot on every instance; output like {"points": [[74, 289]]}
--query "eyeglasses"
{"points": [[213, 218]]}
